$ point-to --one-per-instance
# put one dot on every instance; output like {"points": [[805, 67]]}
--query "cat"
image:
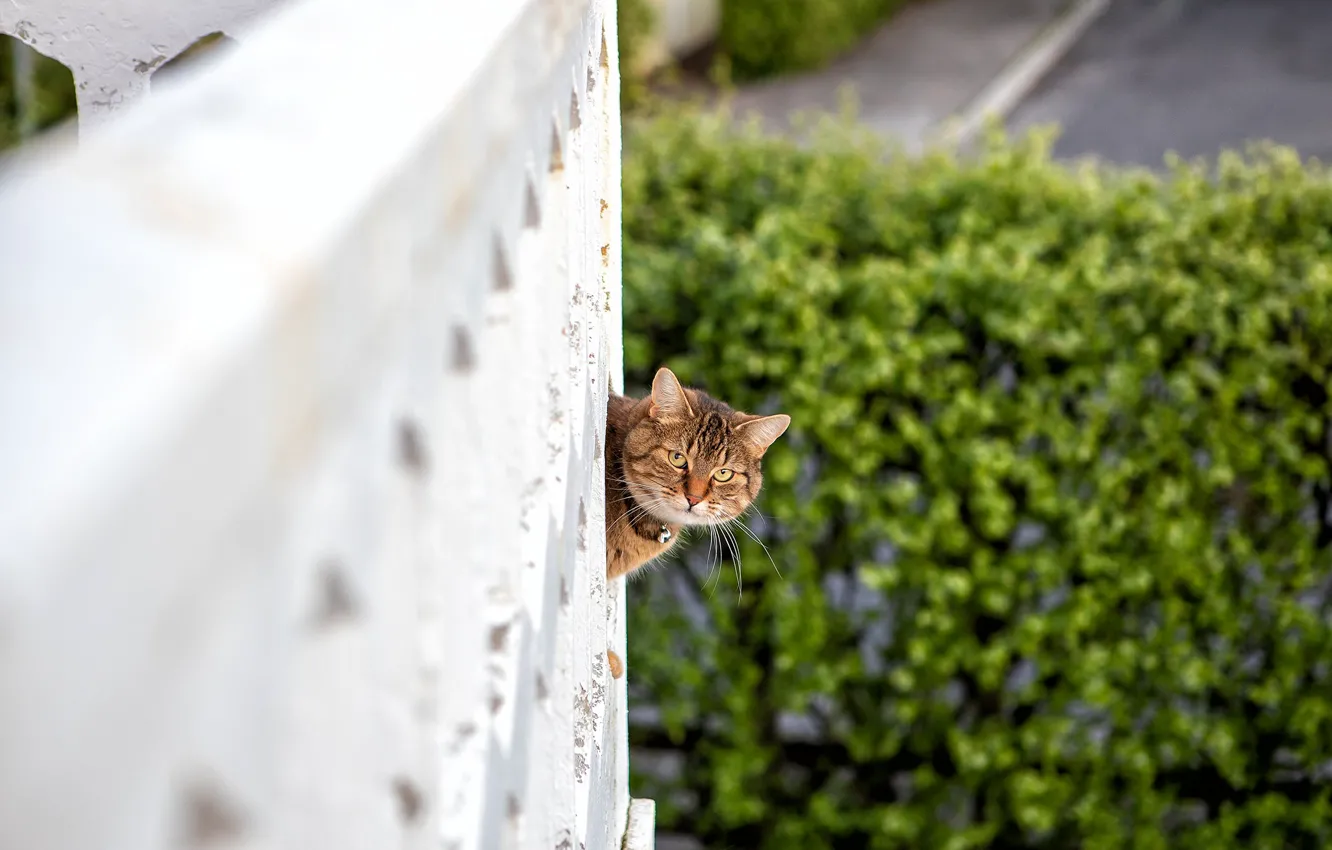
{"points": [[678, 457]]}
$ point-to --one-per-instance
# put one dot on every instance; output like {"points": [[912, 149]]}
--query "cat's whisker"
{"points": [[736, 562], [651, 488], [635, 512], [629, 514], [658, 499], [714, 567], [752, 536], [635, 503], [639, 483], [753, 506], [639, 511], [654, 489]]}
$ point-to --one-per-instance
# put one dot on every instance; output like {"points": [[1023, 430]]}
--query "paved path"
{"points": [[1193, 76], [922, 66]]}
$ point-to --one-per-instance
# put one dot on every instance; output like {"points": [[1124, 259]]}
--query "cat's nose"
{"points": [[692, 499]]}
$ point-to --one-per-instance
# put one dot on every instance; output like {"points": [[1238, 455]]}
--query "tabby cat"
{"points": [[678, 457]]}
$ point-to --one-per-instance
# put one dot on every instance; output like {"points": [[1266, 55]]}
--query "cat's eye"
{"points": [[678, 460], [723, 475]]}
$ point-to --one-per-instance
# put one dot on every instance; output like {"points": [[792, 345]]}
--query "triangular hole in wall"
{"points": [[531, 206], [503, 281], [556, 149]]}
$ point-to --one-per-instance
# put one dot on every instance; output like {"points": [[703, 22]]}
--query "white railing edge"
{"points": [[264, 200], [187, 171]]}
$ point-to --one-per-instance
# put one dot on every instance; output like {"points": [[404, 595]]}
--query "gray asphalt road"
{"points": [[1192, 76]]}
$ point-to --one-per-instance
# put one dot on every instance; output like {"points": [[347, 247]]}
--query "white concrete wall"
{"points": [[303, 366], [112, 47]]}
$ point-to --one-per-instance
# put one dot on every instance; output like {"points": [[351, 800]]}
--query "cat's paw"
{"points": [[616, 665]]}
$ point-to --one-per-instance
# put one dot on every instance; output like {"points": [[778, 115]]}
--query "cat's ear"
{"points": [[762, 431], [668, 397]]}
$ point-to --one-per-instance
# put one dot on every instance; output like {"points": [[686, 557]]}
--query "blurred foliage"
{"points": [[1053, 515], [635, 20], [763, 37], [52, 100], [757, 38]]}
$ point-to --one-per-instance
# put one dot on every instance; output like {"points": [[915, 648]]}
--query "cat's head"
{"points": [[693, 460]]}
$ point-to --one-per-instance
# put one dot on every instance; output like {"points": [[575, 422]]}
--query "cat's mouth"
{"points": [[703, 513], [675, 508]]}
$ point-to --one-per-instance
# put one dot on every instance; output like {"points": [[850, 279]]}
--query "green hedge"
{"points": [[763, 37], [634, 21], [54, 102], [1052, 517]]}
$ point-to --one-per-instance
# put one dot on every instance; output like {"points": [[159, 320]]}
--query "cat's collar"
{"points": [[664, 535]]}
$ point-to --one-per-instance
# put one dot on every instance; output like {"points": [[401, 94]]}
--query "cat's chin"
{"points": [[682, 517]]}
